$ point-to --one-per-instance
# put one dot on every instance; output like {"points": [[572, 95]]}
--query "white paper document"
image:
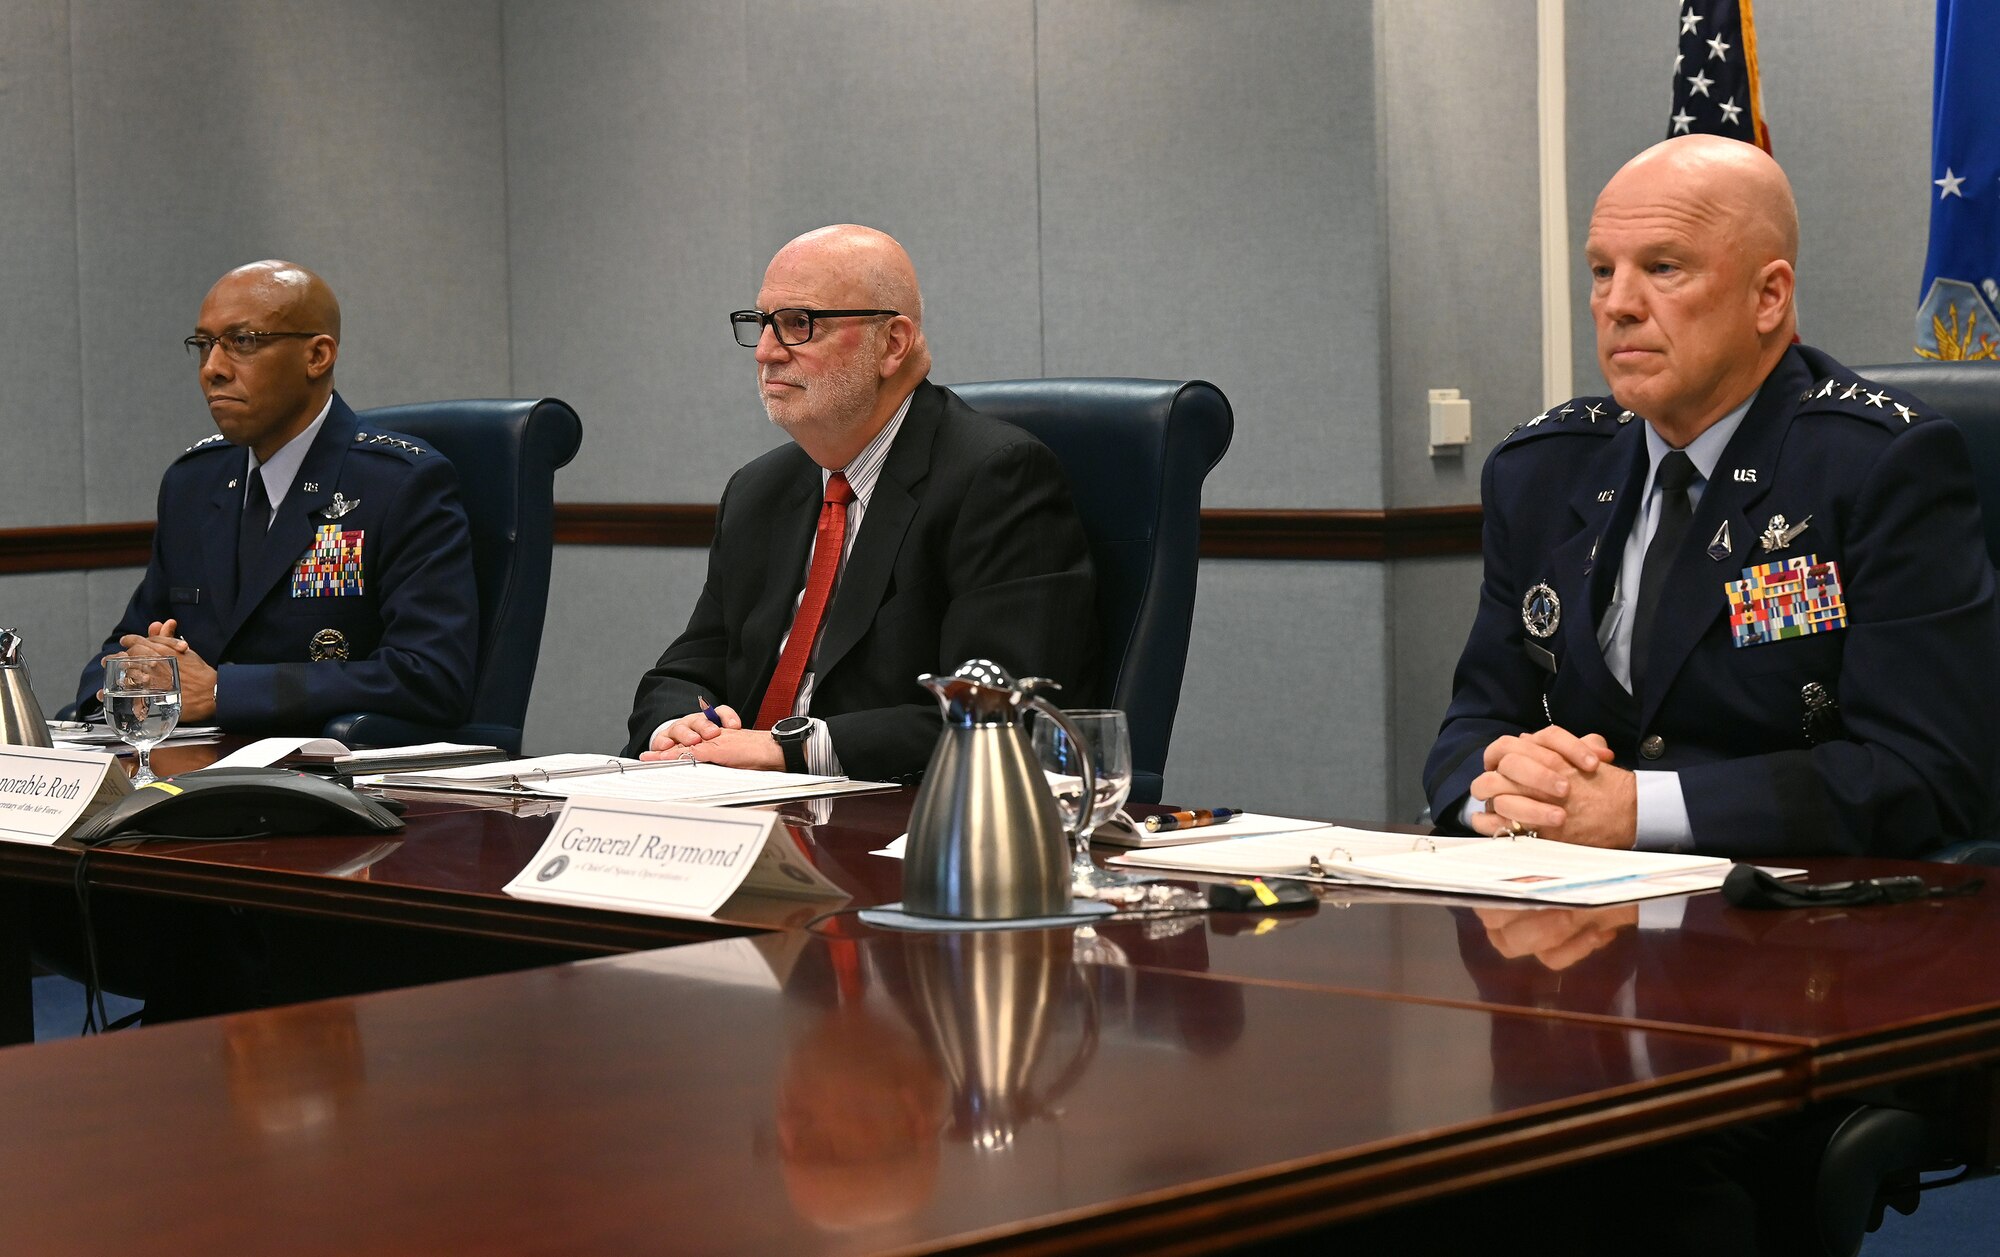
{"points": [[265, 752], [610, 776], [1241, 825], [1514, 868], [666, 859]]}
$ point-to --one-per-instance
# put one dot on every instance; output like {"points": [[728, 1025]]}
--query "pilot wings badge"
{"points": [[338, 507]]}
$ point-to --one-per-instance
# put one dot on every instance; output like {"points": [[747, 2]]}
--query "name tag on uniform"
{"points": [[1791, 598], [332, 567]]}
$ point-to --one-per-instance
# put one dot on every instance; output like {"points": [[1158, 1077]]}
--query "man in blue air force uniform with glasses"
{"points": [[303, 564], [1743, 605]]}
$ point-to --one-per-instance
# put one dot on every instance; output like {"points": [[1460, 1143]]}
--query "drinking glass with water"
{"points": [[142, 697]]}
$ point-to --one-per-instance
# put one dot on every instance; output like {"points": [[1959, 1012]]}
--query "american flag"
{"points": [[1715, 73]]}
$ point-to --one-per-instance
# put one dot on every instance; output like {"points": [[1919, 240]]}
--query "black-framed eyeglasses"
{"points": [[793, 325], [238, 344]]}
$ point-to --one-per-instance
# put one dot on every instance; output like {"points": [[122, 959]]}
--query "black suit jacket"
{"points": [[970, 548]]}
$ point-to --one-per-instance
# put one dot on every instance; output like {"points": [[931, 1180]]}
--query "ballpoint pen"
{"points": [[1190, 820], [706, 710]]}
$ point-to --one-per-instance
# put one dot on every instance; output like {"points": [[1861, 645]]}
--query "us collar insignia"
{"points": [[1541, 611], [338, 507]]}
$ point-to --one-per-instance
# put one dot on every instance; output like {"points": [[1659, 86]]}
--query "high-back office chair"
{"points": [[1968, 394], [1873, 1157], [1136, 453], [506, 453]]}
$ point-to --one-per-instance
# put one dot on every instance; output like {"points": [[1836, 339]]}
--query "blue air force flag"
{"points": [[1716, 91], [1960, 312]]}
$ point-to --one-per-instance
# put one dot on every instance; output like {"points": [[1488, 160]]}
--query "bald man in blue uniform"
{"points": [[303, 565], [1743, 605]]}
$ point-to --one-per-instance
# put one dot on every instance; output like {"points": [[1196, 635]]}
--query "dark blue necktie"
{"points": [[1675, 474], [254, 527]]}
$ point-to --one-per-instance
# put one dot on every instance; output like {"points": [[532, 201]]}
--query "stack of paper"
{"points": [[1513, 868], [613, 777]]}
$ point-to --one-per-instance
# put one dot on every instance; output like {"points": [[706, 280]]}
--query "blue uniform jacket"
{"points": [[1907, 758], [386, 580]]}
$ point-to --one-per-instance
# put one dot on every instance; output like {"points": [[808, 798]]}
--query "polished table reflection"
{"points": [[1872, 994], [814, 1093], [762, 1086]]}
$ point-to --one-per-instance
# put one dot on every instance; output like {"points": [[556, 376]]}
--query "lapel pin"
{"points": [[1720, 547], [1777, 534], [338, 507], [1541, 611]]}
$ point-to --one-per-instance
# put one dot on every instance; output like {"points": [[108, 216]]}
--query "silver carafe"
{"points": [[987, 842], [21, 722]]}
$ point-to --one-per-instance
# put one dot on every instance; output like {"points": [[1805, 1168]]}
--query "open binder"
{"points": [[1511, 868]]}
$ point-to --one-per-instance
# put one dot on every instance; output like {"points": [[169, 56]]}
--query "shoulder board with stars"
{"points": [[208, 442], [1860, 399], [383, 441], [1598, 415]]}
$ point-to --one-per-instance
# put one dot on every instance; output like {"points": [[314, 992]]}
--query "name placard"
{"points": [[43, 792], [665, 858]]}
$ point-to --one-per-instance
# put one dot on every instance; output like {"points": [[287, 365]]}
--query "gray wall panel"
{"points": [[207, 137], [921, 121], [1431, 605], [41, 478], [1620, 93], [1856, 144], [1210, 208], [1286, 686], [1464, 301], [612, 610], [630, 237], [658, 156], [51, 612]]}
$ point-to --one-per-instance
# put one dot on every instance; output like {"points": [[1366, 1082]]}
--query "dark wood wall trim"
{"points": [[1416, 532], [688, 524], [77, 548], [1351, 536]]}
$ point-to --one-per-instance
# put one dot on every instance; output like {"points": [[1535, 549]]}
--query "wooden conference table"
{"points": [[1173, 1084]]}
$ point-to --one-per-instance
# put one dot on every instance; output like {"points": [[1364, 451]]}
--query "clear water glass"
{"points": [[142, 699], [1108, 742]]}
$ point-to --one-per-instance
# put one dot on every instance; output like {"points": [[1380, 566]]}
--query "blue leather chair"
{"points": [[1968, 394], [1873, 1158], [1136, 453], [506, 454]]}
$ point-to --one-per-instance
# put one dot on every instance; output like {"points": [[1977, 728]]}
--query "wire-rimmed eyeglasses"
{"points": [[238, 344]]}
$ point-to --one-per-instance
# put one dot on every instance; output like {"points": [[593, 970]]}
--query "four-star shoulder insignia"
{"points": [[383, 438], [213, 438], [1858, 399], [1556, 419]]}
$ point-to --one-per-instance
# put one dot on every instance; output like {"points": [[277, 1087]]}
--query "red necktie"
{"points": [[783, 692]]}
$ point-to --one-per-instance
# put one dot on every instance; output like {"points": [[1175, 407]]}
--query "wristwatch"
{"points": [[791, 733]]}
